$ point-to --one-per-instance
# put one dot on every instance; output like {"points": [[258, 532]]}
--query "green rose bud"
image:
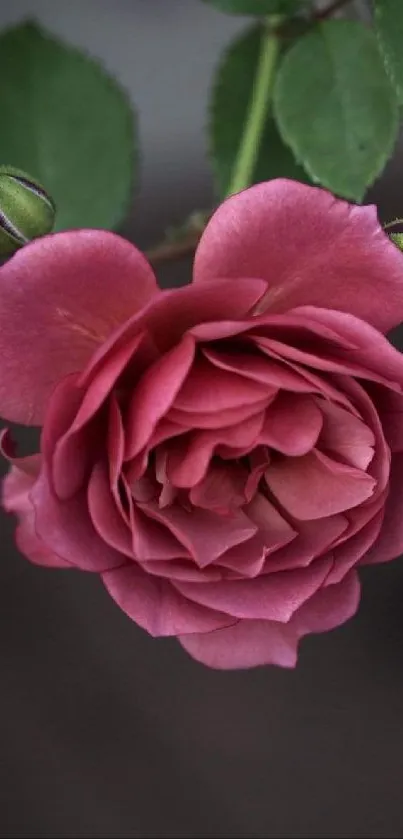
{"points": [[26, 210], [397, 238]]}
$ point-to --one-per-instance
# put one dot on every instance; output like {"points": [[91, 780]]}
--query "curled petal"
{"points": [[315, 486], [273, 597], [188, 460], [209, 389], [156, 606], [294, 236], [66, 528], [259, 368], [17, 486], [217, 419], [314, 538], [390, 540], [155, 394], [293, 424], [105, 515], [346, 435], [205, 535], [368, 349], [74, 450]]}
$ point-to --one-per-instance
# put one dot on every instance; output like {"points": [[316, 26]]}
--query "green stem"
{"points": [[250, 143]]}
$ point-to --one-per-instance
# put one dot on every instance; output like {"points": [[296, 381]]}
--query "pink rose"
{"points": [[226, 454]]}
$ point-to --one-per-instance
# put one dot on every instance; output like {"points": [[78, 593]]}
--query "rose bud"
{"points": [[26, 210]]}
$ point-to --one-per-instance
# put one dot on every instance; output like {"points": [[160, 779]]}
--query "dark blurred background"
{"points": [[105, 732]]}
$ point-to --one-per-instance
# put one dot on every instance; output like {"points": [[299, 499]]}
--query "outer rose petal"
{"points": [[66, 528], [156, 606], [16, 488], [389, 544], [61, 297], [251, 643], [271, 597], [294, 236]]}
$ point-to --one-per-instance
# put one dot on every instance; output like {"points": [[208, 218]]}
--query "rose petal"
{"points": [[277, 230], [348, 554], [208, 389], [329, 607], [68, 469], [293, 424], [222, 489], [272, 597], [314, 486], [249, 643], [205, 535], [369, 349], [345, 435], [182, 570], [389, 405], [244, 563], [379, 467], [105, 516], [313, 539], [318, 383], [270, 523], [260, 369], [66, 528], [152, 541], [61, 296], [188, 459], [30, 545], [156, 606], [252, 643], [390, 541], [71, 456], [335, 359], [16, 489], [180, 309], [218, 419], [155, 394]]}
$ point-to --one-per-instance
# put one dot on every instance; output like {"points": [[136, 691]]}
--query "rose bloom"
{"points": [[224, 455]]}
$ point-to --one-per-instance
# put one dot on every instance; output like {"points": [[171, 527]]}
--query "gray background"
{"points": [[105, 732]]}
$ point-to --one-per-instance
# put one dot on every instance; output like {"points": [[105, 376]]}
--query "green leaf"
{"points": [[232, 90], [68, 123], [389, 29], [259, 7], [335, 107]]}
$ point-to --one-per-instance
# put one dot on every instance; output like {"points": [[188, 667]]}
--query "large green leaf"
{"points": [[231, 94], [259, 7], [389, 28], [68, 123], [335, 106]]}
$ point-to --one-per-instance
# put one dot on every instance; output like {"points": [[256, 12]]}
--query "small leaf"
{"points": [[259, 7], [69, 124], [231, 94], [389, 29], [335, 107]]}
